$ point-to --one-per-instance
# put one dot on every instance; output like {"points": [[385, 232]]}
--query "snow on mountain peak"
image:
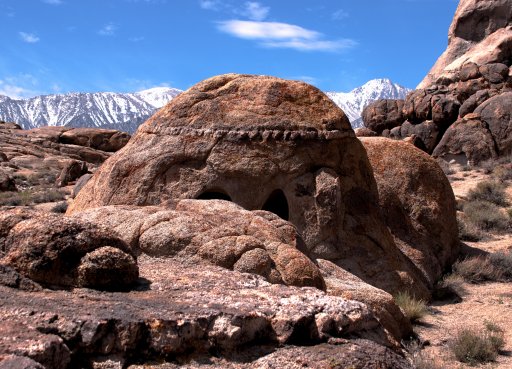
{"points": [[353, 102], [127, 111]]}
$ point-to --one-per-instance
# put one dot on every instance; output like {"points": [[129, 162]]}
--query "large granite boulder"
{"points": [[60, 252], [480, 33], [417, 202], [265, 144], [216, 231], [383, 114]]}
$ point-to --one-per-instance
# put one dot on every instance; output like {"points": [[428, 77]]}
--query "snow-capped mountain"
{"points": [[127, 111], [86, 109], [353, 102]]}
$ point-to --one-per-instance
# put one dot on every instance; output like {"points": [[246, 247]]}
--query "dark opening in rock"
{"points": [[214, 195], [277, 204]]}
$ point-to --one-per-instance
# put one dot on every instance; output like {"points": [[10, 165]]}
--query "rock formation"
{"points": [[462, 108], [263, 143]]}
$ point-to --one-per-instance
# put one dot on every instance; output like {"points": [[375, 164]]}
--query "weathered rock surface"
{"points": [[418, 204], [472, 76], [383, 114], [6, 182], [481, 33], [72, 170], [197, 313], [61, 252], [216, 231], [264, 143]]}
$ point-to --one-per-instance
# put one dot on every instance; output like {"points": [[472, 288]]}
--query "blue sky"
{"points": [[58, 46]]}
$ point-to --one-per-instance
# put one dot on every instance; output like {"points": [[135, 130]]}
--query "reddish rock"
{"points": [[56, 251], [418, 107], [71, 172], [6, 182], [496, 112], [100, 139], [264, 143], [364, 132], [418, 204], [383, 114], [426, 133]]}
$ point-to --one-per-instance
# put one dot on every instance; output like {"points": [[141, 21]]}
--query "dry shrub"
{"points": [[474, 346], [445, 166], [425, 361], [503, 262], [477, 269], [60, 207], [468, 232], [452, 283], [486, 216], [413, 308], [490, 191]]}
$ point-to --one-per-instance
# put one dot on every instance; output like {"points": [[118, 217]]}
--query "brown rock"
{"points": [[6, 182], [53, 251], [80, 183], [474, 100], [72, 170], [3, 157], [383, 114], [445, 110], [417, 106], [100, 139], [264, 143], [204, 312], [19, 362], [427, 133], [480, 33], [418, 204], [469, 71], [470, 137], [364, 132], [494, 72], [215, 231], [496, 112]]}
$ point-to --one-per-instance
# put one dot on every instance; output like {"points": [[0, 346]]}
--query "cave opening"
{"points": [[277, 204], [214, 195]]}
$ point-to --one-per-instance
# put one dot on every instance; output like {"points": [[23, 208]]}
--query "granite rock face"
{"points": [[216, 232], [418, 204], [265, 144], [60, 252], [207, 314], [472, 76]]}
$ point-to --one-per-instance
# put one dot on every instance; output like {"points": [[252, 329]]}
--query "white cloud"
{"points": [[29, 37], [283, 35], [209, 4], [266, 30], [339, 14], [53, 2], [20, 87], [137, 39], [256, 11], [108, 30]]}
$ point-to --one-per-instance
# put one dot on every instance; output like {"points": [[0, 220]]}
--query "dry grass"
{"points": [[413, 308], [485, 216], [496, 267], [490, 191], [478, 346]]}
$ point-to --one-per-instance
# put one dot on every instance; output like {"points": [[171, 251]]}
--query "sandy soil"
{"points": [[490, 302]]}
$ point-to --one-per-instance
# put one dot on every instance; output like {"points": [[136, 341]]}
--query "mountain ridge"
{"points": [[126, 111]]}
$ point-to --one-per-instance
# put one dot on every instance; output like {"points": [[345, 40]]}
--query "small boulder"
{"points": [[494, 72], [54, 251], [72, 170], [7, 183], [427, 132], [383, 114]]}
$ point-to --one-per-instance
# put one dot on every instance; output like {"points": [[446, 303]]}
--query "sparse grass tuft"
{"points": [[490, 191], [452, 283], [413, 308], [468, 232], [478, 346], [477, 269], [503, 262], [61, 207], [486, 216]]}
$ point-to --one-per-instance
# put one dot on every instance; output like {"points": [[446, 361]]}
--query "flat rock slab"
{"points": [[178, 312]]}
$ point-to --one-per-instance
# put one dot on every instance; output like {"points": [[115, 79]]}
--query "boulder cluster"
{"points": [[463, 108], [243, 217]]}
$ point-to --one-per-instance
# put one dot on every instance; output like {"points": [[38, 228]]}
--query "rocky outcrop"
{"points": [[72, 170], [265, 144], [383, 114], [480, 33], [418, 204], [472, 76], [207, 314], [60, 252], [217, 232]]}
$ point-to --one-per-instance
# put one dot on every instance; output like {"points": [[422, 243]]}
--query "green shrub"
{"points": [[490, 191], [478, 346], [413, 308], [485, 216]]}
